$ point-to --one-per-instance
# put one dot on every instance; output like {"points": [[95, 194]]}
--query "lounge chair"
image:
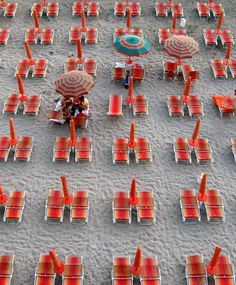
{"points": [[10, 10], [195, 270], [119, 32], [31, 36], [203, 151], [24, 149], [175, 106], [135, 8], [32, 105], [47, 37], [146, 210], [214, 207], [137, 32], [118, 73], [182, 150], [137, 73], [160, 9], [226, 37], [203, 10], [6, 269], [188, 70], [217, 9], [219, 68], [77, 9], [74, 35], [224, 271], [121, 209], [142, 151], [232, 67], [39, 8], [74, 272], [93, 9], [61, 150], [189, 205], [115, 105], [40, 68], [90, 66], [44, 272], [170, 70], [11, 104], [151, 274], [54, 208], [23, 68], [14, 207], [140, 105], [163, 35], [79, 208], [177, 9], [119, 9], [4, 36], [91, 36], [121, 274], [81, 121], [83, 149], [218, 101], [4, 148], [210, 37], [195, 106], [56, 117], [120, 150], [52, 9]]}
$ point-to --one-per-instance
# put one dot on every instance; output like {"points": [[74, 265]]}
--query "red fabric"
{"points": [[115, 105]]}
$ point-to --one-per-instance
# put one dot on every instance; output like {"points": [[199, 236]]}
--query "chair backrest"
{"points": [[80, 120], [194, 74], [137, 73], [171, 66]]}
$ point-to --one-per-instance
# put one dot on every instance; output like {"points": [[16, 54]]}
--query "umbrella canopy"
{"points": [[211, 266], [3, 196], [74, 84], [23, 97], [13, 140], [192, 142], [201, 196], [67, 197], [132, 142], [136, 267], [133, 199], [130, 45], [59, 267]]}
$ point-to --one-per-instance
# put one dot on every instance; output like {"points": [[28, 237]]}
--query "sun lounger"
{"points": [[195, 270], [179, 32], [232, 67], [11, 104], [224, 271], [77, 9], [140, 105], [182, 150], [115, 105], [44, 273], [151, 274], [189, 206], [188, 70], [79, 208], [91, 36], [203, 151], [47, 36], [163, 35], [120, 150], [52, 9], [61, 151], [209, 37], [161, 10], [56, 117], [121, 274], [71, 64], [218, 68], [142, 151], [40, 68], [146, 210], [177, 9], [54, 208], [195, 106], [90, 66], [203, 10], [137, 73], [226, 37], [23, 68], [74, 272], [4, 148], [119, 9], [218, 101], [14, 207], [135, 8], [175, 106], [217, 9], [39, 8], [6, 269], [214, 207], [83, 150], [24, 149], [170, 70], [119, 32], [4, 36], [93, 9], [121, 208], [137, 32], [74, 35], [32, 105], [10, 10], [118, 73], [31, 36]]}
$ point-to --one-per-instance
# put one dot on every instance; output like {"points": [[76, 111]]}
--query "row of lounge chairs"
{"points": [[37, 70], [92, 9], [119, 73], [171, 70], [89, 36], [165, 33], [213, 38], [123, 31], [121, 8], [209, 9], [9, 10], [50, 10], [221, 70], [89, 65], [165, 9]]}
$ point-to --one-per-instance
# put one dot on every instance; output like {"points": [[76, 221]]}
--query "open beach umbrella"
{"points": [[59, 267], [201, 195], [13, 140], [185, 97], [3, 196], [211, 266], [133, 199], [132, 142], [67, 197], [74, 84], [136, 267], [192, 142]]}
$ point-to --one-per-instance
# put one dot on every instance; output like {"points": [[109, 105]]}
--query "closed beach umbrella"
{"points": [[228, 52], [3, 196], [128, 20], [130, 98], [211, 266], [83, 21], [136, 268], [201, 196], [67, 197], [29, 54], [220, 21], [72, 140], [36, 19], [132, 142], [59, 267], [192, 142], [13, 140], [79, 52], [74, 84], [174, 23], [187, 88], [23, 97], [133, 199]]}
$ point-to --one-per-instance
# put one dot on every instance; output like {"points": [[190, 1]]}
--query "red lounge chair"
{"points": [[151, 274], [118, 73], [119, 9], [74, 35], [83, 150], [175, 106], [219, 68], [137, 73], [224, 270], [140, 105], [120, 150], [91, 36], [6, 269], [115, 105], [74, 272], [170, 70], [182, 150], [4, 148], [77, 9], [143, 152], [121, 208], [177, 9], [161, 10], [71, 64], [203, 10], [137, 32], [24, 149], [188, 70], [135, 8], [23, 68], [81, 121], [203, 151], [44, 273], [121, 274], [210, 37], [232, 67], [54, 208], [195, 106], [214, 206], [10, 10], [40, 68], [195, 270], [79, 208], [31, 36], [146, 210], [11, 104], [189, 206], [52, 9], [163, 35], [217, 9], [47, 37], [226, 37], [179, 32], [119, 32], [93, 9], [4, 36], [61, 150], [90, 66], [14, 207], [32, 105], [218, 100], [39, 8]]}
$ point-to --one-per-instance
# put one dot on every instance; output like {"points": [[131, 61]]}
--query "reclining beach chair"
{"points": [[214, 207], [120, 150], [119, 32], [10, 10], [121, 209], [118, 73], [188, 70], [31, 36], [146, 210], [56, 117], [135, 8], [195, 106], [90, 66], [54, 208], [203, 10], [61, 150], [225, 272], [217, 9], [71, 64], [14, 207], [203, 151], [83, 149], [4, 148], [170, 70], [233, 147], [77, 9], [74, 35], [74, 272], [210, 37], [47, 37], [226, 37], [40, 68], [142, 151], [177, 9], [79, 208], [219, 68], [93, 9], [52, 9], [44, 273], [163, 35], [4, 36], [189, 205], [137, 73], [160, 9], [195, 270], [140, 105], [81, 121], [137, 32], [39, 8], [91, 36], [32, 105], [115, 105], [121, 274], [23, 68], [232, 67], [182, 150], [24, 149], [175, 106], [119, 9], [151, 274], [6, 269], [11, 104]]}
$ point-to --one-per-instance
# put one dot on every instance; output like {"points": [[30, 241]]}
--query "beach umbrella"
{"points": [[83, 22], [128, 20], [201, 196], [59, 267], [174, 23], [67, 197], [3, 196], [136, 267], [192, 142], [74, 84], [29, 54], [130, 97], [36, 19], [185, 97], [211, 266], [72, 140], [13, 140], [23, 97], [132, 142], [79, 52], [133, 199], [228, 52], [220, 21]]}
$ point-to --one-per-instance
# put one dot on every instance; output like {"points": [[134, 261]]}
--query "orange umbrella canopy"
{"points": [[132, 142], [193, 141], [211, 266], [3, 196], [59, 266], [185, 97], [201, 196], [67, 197], [133, 199], [136, 268], [13, 140]]}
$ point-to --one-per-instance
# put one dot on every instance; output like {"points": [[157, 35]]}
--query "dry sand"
{"points": [[170, 240]]}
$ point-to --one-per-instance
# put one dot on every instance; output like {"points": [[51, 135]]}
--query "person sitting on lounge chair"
{"points": [[81, 105]]}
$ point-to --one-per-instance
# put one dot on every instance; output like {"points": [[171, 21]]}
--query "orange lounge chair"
{"points": [[195, 106], [119, 9], [232, 67], [217, 9], [40, 68], [39, 8], [120, 150], [218, 100], [23, 68], [74, 35], [203, 151], [118, 73], [56, 117], [61, 150], [24, 149], [115, 105], [121, 208], [151, 274], [140, 105], [31, 36], [11, 104], [4, 36], [175, 106], [146, 210], [6, 269], [14, 207], [135, 8], [71, 64], [143, 151], [214, 207], [195, 270], [79, 208], [219, 68], [32, 105], [182, 150], [189, 205], [90, 66], [52, 9], [81, 121], [177, 9], [188, 70], [47, 37], [77, 9], [83, 149], [225, 272], [210, 37], [10, 10], [170, 70], [119, 32], [44, 272], [137, 73], [54, 208], [91, 36], [93, 9], [226, 37], [4, 148], [121, 274], [163, 35], [74, 272], [137, 32], [203, 10], [160, 9]]}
